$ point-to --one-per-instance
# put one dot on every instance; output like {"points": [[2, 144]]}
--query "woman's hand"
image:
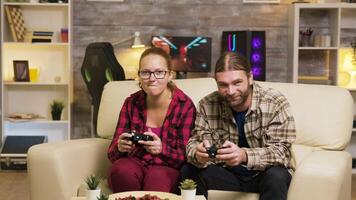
{"points": [[154, 147], [124, 144]]}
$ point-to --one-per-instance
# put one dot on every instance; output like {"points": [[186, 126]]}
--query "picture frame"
{"points": [[21, 70]]}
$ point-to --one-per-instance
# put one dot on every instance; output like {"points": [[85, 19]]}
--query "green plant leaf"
{"points": [[57, 106], [92, 182], [188, 184]]}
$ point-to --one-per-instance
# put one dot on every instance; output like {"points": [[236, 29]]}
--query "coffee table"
{"points": [[170, 196]]}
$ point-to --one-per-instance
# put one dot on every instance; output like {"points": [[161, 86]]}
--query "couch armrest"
{"points": [[322, 175], [57, 169]]}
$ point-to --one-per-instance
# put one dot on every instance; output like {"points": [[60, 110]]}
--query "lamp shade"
{"points": [[137, 41]]}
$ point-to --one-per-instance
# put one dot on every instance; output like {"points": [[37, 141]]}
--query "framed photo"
{"points": [[21, 70]]}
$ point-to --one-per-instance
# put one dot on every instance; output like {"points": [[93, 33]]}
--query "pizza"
{"points": [[145, 197]]}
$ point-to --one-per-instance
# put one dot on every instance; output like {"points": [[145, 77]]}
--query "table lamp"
{"points": [[136, 43]]}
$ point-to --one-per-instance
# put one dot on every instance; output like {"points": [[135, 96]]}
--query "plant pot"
{"points": [[93, 194], [188, 194], [56, 115]]}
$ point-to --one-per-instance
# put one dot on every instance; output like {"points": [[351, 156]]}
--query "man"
{"points": [[251, 127]]}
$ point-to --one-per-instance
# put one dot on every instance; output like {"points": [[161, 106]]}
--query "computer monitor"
{"points": [[189, 54]]}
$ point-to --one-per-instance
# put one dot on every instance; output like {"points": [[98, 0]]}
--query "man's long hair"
{"points": [[231, 61]]}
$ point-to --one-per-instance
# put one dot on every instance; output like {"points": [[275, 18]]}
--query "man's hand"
{"points": [[200, 153], [154, 147], [231, 154], [124, 144]]}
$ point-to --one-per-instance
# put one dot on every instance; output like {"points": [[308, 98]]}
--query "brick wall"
{"points": [[113, 21]]}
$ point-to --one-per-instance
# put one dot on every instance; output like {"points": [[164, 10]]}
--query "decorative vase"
{"points": [[188, 194], [93, 194], [56, 115]]}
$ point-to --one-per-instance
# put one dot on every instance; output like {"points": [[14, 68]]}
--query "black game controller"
{"points": [[213, 151], [140, 137]]}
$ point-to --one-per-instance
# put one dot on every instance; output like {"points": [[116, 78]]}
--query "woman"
{"points": [[161, 111]]}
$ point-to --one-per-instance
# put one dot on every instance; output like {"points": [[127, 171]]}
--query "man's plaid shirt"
{"points": [[269, 128]]}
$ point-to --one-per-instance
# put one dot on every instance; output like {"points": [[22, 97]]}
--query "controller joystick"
{"points": [[212, 151], [140, 137]]}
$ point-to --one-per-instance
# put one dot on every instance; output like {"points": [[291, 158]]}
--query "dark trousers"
{"points": [[271, 184]]}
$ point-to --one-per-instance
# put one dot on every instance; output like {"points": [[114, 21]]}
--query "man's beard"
{"points": [[240, 100]]}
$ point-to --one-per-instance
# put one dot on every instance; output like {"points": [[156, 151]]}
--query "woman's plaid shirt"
{"points": [[269, 128], [175, 131]]}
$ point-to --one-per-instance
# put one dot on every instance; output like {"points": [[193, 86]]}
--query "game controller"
{"points": [[213, 151], [140, 137]]}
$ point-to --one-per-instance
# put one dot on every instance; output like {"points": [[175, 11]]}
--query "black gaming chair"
{"points": [[99, 67]]}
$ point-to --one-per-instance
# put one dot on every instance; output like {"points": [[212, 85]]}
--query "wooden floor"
{"points": [[14, 186]]}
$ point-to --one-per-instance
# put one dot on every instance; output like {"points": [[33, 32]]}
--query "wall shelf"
{"points": [[36, 4], [50, 44], [337, 20], [52, 63], [8, 83], [37, 121]]}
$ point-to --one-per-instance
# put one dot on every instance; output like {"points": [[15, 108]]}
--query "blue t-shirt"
{"points": [[240, 121]]}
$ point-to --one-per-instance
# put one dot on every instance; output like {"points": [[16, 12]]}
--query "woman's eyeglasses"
{"points": [[156, 74]]}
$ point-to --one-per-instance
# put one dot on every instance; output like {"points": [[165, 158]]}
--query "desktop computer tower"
{"points": [[251, 44]]}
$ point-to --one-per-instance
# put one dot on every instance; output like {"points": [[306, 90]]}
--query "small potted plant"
{"points": [[93, 191], [103, 197], [56, 109], [188, 189]]}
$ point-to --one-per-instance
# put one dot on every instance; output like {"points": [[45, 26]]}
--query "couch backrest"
{"points": [[323, 114]]}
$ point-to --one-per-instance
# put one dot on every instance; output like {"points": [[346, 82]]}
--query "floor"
{"points": [[14, 185]]}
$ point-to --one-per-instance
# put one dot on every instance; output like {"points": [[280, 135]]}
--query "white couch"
{"points": [[323, 116]]}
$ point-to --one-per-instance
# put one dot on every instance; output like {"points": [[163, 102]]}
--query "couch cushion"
{"points": [[219, 195], [197, 88], [300, 152], [112, 99], [323, 113]]}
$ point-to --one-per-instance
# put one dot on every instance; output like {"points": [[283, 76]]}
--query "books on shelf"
{"points": [[39, 36], [42, 33]]}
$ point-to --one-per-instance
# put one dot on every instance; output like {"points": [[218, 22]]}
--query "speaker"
{"points": [[252, 45]]}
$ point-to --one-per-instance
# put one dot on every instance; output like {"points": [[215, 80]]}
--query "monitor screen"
{"points": [[189, 54]]}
